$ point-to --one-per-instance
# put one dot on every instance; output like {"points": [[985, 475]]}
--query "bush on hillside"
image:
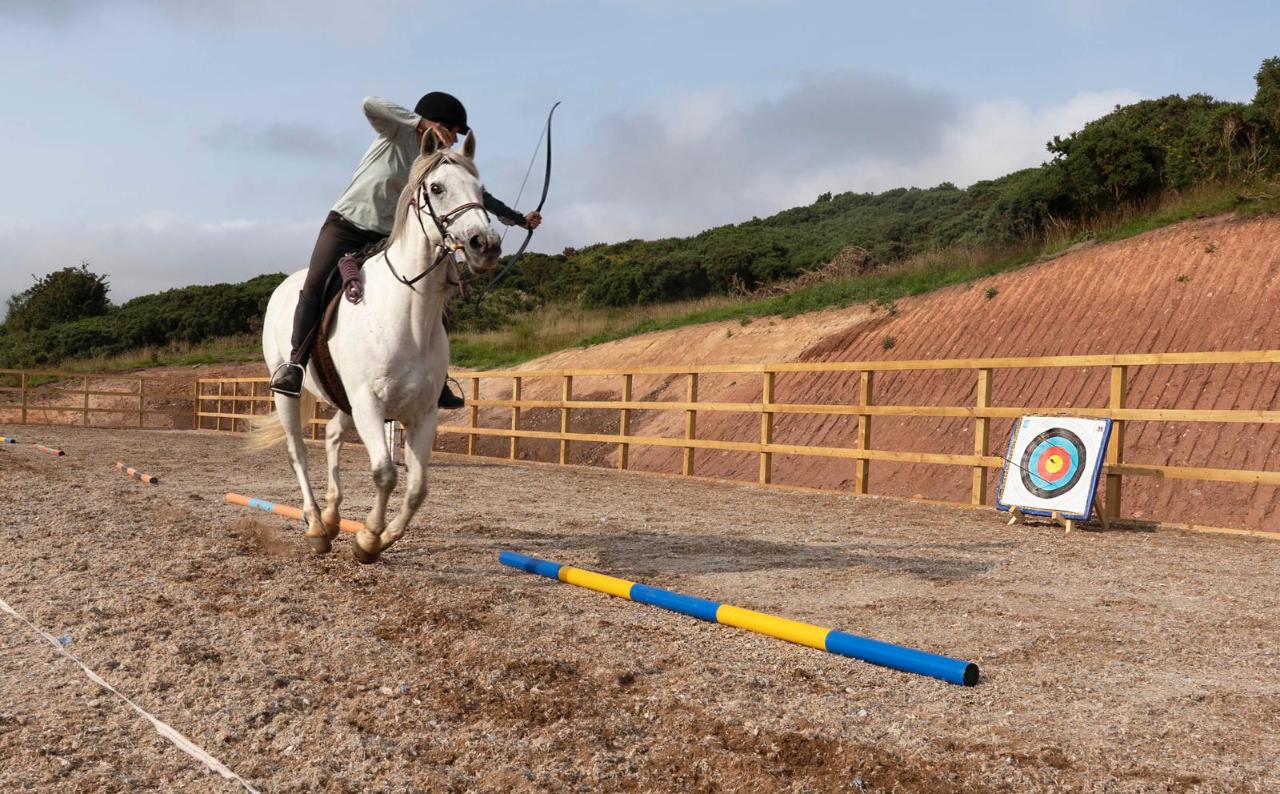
{"points": [[190, 314], [63, 296]]}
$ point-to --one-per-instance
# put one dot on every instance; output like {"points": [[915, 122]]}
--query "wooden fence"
{"points": [[234, 393], [232, 403], [865, 410], [48, 397], [229, 403]]}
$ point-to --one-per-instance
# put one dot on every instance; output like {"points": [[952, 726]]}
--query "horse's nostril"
{"points": [[475, 242]]}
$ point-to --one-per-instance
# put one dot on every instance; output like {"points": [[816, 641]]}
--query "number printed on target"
{"points": [[1053, 465]]}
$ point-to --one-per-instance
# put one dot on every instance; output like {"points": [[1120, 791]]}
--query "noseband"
{"points": [[448, 246]]}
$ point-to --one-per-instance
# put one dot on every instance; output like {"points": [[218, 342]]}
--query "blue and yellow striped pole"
{"points": [[955, 671]]}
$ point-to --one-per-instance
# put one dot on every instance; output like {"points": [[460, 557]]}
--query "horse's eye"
{"points": [[436, 189]]}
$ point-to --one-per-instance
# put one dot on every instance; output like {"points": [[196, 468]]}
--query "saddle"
{"points": [[334, 289]]}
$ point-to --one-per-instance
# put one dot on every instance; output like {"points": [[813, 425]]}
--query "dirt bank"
{"points": [[1203, 285]]}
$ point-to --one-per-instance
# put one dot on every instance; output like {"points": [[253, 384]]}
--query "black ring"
{"points": [[1025, 468]]}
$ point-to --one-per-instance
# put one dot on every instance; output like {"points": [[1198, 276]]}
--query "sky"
{"points": [[170, 143]]}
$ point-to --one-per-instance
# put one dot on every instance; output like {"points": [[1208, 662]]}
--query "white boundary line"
{"points": [[164, 729]]}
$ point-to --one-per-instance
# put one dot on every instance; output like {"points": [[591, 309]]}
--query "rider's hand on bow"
{"points": [[533, 220]]}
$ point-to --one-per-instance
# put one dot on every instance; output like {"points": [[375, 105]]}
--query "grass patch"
{"points": [[559, 326], [238, 349]]}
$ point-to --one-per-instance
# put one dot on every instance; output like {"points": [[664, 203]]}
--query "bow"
{"points": [[546, 184]]}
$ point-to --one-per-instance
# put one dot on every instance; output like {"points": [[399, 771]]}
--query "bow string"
{"points": [[546, 185]]}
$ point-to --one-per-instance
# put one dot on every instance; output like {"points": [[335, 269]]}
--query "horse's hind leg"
{"points": [[290, 414], [419, 436], [330, 516]]}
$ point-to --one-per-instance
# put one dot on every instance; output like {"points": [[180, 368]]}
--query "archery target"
{"points": [[1053, 465]]}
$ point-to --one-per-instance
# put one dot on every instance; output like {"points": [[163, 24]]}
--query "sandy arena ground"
{"points": [[1111, 661]]}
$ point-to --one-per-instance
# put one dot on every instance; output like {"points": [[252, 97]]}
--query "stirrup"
{"points": [[282, 382]]}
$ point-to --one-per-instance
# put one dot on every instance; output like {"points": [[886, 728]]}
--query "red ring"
{"points": [[1044, 457]]}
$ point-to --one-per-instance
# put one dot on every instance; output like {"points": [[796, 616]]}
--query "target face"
{"points": [[1053, 465]]}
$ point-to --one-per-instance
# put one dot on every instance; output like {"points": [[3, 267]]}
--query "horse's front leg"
{"points": [[330, 516], [419, 436], [369, 419]]}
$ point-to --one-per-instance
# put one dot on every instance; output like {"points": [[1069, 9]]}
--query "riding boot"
{"points": [[287, 379], [448, 400]]}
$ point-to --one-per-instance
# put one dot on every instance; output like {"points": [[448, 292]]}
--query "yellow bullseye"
{"points": [[1054, 464]]}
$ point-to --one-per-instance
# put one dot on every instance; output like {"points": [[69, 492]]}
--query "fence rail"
{"points": [[35, 404], [229, 404]]}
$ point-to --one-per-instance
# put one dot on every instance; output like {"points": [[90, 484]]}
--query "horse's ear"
{"points": [[469, 146], [430, 143]]}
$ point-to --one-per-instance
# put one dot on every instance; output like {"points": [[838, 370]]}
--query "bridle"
{"points": [[448, 247]]}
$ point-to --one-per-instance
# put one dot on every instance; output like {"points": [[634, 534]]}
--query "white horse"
{"points": [[390, 349]]}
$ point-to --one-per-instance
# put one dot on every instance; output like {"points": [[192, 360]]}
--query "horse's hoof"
{"points": [[320, 544], [362, 556]]}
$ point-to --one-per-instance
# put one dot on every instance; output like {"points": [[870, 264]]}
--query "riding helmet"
{"points": [[443, 108]]}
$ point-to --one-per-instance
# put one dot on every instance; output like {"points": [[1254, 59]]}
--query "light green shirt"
{"points": [[370, 200]]}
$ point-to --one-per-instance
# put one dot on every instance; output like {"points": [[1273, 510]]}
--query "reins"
{"points": [[447, 246]]}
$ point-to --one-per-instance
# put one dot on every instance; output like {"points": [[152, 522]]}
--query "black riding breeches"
{"points": [[337, 236]]}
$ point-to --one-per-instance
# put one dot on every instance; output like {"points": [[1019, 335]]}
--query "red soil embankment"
{"points": [[1199, 286]]}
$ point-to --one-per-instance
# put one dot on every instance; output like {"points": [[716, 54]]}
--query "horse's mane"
{"points": [[417, 173]]}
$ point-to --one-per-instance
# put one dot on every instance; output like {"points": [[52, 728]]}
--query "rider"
{"points": [[366, 210]]}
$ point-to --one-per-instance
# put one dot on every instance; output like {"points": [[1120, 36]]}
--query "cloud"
{"points": [[707, 159], [155, 251], [700, 159], [283, 138], [337, 17], [46, 12]]}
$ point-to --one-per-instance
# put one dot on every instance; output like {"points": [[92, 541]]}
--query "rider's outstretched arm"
{"points": [[504, 213]]}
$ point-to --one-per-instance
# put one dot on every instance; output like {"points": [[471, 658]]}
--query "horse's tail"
{"points": [[270, 430]]}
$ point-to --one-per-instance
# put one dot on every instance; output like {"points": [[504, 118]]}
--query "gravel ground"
{"points": [[1111, 661]]}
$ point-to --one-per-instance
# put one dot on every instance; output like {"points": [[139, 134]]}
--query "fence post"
{"points": [[624, 423], [566, 395], [1115, 448], [473, 416], [766, 428], [862, 467], [85, 408], [311, 421], [195, 409], [515, 417], [218, 419], [24, 397], [142, 401], [690, 423], [981, 433]]}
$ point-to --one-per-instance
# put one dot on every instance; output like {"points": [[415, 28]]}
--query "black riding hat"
{"points": [[443, 108]]}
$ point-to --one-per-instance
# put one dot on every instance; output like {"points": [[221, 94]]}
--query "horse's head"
{"points": [[450, 197]]}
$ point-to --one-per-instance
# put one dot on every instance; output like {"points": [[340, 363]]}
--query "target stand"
{"points": [[1052, 469]]}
